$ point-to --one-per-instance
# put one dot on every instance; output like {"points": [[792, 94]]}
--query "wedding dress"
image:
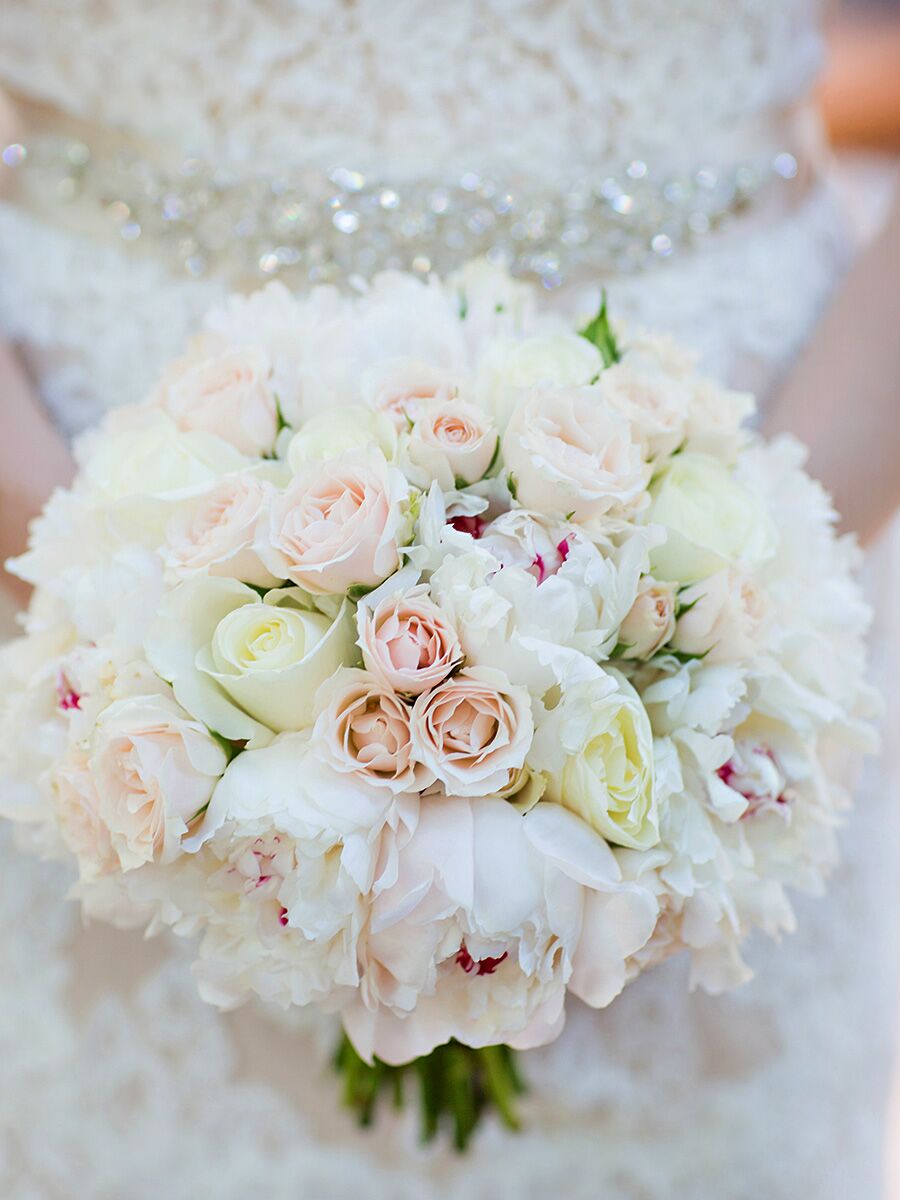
{"points": [[118, 1083]]}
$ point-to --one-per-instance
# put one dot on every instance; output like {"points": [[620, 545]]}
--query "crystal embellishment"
{"points": [[333, 226]]}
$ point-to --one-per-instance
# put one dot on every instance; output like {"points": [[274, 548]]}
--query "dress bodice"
{"points": [[414, 88]]}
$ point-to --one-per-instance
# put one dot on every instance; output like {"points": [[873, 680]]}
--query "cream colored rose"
{"points": [[215, 533], [408, 643], [154, 769], [596, 749], [654, 403], [347, 427], [569, 454], [245, 666], [651, 619], [711, 520], [339, 524], [400, 388], [363, 728], [78, 817], [722, 617], [227, 394], [547, 361], [453, 442], [473, 731]]}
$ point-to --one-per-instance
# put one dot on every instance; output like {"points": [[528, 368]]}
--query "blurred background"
{"points": [[860, 100]]}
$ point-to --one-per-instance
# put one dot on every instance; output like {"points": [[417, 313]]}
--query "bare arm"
{"points": [[34, 460], [843, 399]]}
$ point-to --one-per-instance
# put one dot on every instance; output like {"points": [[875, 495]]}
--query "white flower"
{"points": [[546, 361], [711, 520], [721, 619], [399, 389], [653, 402], [216, 532], [453, 442], [596, 749], [340, 524], [568, 454], [491, 916], [350, 427], [245, 666], [154, 769], [226, 392]]}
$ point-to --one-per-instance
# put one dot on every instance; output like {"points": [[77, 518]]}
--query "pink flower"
{"points": [[650, 621], [227, 394], [363, 729], [567, 453], [721, 619], [401, 387], [339, 524], [216, 532], [453, 441], [78, 817], [409, 645], [473, 731]]}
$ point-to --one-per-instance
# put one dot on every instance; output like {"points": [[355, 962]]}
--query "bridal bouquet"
{"points": [[429, 660]]}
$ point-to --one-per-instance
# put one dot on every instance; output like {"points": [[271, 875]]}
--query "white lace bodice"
{"points": [[120, 1084], [409, 86]]}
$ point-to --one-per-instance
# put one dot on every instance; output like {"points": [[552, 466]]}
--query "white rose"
{"points": [[153, 460], [243, 666], [550, 360], [650, 622], [339, 524], [721, 619], [711, 521], [215, 533], [349, 427], [227, 394], [453, 441], [596, 750], [569, 454], [154, 769], [654, 403]]}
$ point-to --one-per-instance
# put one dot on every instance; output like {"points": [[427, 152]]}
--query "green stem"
{"points": [[456, 1087]]}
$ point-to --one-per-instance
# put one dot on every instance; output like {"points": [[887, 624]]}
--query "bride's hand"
{"points": [[843, 399]]}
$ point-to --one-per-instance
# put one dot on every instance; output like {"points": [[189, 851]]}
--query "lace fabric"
{"points": [[119, 1083]]}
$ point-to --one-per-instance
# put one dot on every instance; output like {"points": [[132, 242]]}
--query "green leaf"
{"points": [[599, 334], [511, 486]]}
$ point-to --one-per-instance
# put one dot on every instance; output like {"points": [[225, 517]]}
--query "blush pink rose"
{"points": [[722, 617], [339, 524], [401, 387], [227, 394], [650, 622], [408, 643], [78, 818], [453, 441], [473, 731], [568, 453], [363, 729], [216, 532], [154, 769]]}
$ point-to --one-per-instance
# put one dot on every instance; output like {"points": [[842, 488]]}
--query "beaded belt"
{"points": [[329, 226]]}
